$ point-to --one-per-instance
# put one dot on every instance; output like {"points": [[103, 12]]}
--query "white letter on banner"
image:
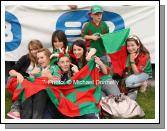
{"points": [[8, 33]]}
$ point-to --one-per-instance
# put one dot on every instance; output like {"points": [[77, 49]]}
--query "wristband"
{"points": [[132, 62]]}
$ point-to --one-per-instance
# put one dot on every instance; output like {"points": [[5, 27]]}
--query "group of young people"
{"points": [[41, 62]]}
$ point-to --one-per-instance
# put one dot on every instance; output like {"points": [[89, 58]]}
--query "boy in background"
{"points": [[92, 30]]}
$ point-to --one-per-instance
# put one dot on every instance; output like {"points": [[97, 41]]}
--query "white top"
{"points": [[29, 69]]}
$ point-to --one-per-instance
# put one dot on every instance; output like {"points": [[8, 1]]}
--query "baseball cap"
{"points": [[95, 9]]}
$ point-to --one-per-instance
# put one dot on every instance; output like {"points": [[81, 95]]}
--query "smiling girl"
{"points": [[22, 69], [59, 41], [138, 65], [81, 58]]}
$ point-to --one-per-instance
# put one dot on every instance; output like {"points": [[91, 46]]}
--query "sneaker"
{"points": [[143, 88], [14, 115]]}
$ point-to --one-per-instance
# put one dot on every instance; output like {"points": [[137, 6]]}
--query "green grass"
{"points": [[146, 100]]}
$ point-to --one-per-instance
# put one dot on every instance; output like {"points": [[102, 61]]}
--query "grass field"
{"points": [[146, 100]]}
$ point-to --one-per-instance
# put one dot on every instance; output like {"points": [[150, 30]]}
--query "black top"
{"points": [[22, 65], [64, 77]]}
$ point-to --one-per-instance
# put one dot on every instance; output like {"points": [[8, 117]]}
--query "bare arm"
{"points": [[90, 53], [91, 37], [101, 64], [134, 68], [13, 73], [132, 62], [19, 76]]}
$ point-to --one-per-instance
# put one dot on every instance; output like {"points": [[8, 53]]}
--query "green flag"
{"points": [[114, 44]]}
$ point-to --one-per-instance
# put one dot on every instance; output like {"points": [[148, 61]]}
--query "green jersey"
{"points": [[91, 28]]}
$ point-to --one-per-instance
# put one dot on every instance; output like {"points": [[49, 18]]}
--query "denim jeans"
{"points": [[134, 81], [34, 107], [109, 87], [15, 107]]}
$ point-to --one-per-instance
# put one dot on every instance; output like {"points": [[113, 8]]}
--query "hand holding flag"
{"points": [[115, 46], [20, 78]]}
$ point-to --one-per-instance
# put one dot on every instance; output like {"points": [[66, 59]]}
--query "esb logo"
{"points": [[72, 22], [12, 32]]}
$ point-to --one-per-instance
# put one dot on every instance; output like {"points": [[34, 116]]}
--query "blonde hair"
{"points": [[46, 52], [35, 44]]}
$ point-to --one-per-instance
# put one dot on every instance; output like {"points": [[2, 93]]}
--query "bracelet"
{"points": [[132, 62]]}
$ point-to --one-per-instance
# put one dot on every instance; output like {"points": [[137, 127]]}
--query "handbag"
{"points": [[120, 107]]}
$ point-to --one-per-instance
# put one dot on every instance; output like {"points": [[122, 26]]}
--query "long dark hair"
{"points": [[60, 36], [136, 39], [81, 44]]}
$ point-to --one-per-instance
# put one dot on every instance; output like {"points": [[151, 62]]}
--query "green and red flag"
{"points": [[27, 88], [76, 97], [80, 97], [114, 44]]}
